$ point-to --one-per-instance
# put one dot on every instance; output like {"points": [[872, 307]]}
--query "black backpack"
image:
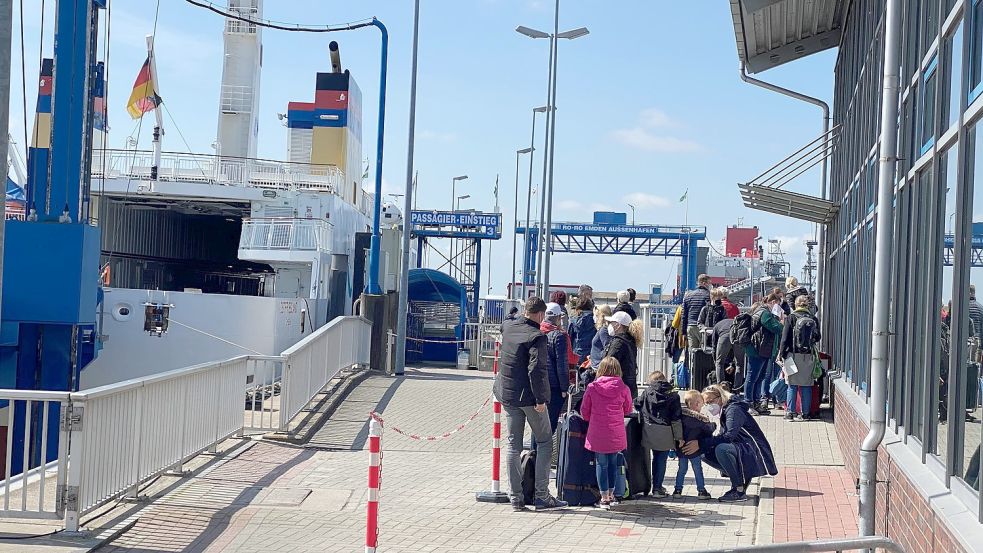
{"points": [[761, 340], [804, 334], [742, 329]]}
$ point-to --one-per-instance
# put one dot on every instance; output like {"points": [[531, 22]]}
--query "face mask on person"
{"points": [[713, 409], [612, 329]]}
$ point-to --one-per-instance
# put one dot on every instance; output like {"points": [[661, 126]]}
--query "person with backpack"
{"points": [[766, 331], [797, 354], [731, 310], [693, 302], [606, 403], [523, 388], [582, 329], [624, 304], [556, 362], [662, 427], [601, 338], [730, 338], [623, 347], [713, 312]]}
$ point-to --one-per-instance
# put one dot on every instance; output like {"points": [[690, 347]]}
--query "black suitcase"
{"points": [[637, 458], [527, 467], [576, 478], [703, 365]]}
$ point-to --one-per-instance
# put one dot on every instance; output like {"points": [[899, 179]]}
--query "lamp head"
{"points": [[531, 33]]}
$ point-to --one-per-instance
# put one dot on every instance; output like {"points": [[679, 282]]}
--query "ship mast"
{"points": [[238, 122]]}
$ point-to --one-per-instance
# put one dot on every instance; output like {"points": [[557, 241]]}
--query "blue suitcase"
{"points": [[576, 477]]}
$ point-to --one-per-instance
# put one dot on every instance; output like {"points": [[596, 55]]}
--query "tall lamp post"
{"points": [[632, 214], [459, 198], [542, 276], [515, 216], [525, 247], [454, 188]]}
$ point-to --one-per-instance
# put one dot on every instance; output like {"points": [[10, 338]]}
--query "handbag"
{"points": [[817, 366], [657, 437]]}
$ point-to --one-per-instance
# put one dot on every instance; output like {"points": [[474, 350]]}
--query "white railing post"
{"points": [[69, 496], [135, 488], [285, 394], [179, 467]]}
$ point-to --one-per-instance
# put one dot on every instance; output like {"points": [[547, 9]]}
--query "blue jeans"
{"points": [[684, 464], [755, 375], [771, 373], [557, 405], [659, 459], [729, 459], [806, 399], [606, 465]]}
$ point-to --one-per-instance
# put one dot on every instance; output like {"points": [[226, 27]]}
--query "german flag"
{"points": [[144, 97]]}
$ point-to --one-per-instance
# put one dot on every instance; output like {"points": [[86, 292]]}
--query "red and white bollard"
{"points": [[495, 495], [375, 481]]}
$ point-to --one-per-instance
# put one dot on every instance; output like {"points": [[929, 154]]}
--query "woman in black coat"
{"points": [[622, 346]]}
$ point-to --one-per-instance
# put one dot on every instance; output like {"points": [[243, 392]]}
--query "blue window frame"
{"points": [[926, 119]]}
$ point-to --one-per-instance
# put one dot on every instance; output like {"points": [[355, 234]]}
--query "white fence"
{"points": [[114, 438], [285, 234]]}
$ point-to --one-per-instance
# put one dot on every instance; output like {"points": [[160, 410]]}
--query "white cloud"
{"points": [[642, 139], [642, 200], [654, 117]]}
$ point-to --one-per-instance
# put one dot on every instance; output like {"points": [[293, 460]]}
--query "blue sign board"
{"points": [[456, 224], [623, 230]]}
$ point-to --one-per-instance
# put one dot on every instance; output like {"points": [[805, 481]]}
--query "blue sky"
{"points": [[649, 104]]}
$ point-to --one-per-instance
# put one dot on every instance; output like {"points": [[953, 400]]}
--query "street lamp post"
{"points": [[632, 214], [542, 276], [525, 246], [459, 198], [454, 188], [515, 217]]}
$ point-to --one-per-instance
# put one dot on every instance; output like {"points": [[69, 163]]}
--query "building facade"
{"points": [[929, 471]]}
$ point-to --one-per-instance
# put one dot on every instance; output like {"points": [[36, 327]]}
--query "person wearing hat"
{"points": [[556, 360], [622, 346]]}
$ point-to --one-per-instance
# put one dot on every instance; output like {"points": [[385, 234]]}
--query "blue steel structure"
{"points": [[468, 228], [976, 247], [610, 233], [51, 264]]}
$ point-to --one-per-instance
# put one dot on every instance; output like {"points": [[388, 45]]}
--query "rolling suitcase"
{"points": [[814, 406], [703, 365], [576, 478], [638, 460]]}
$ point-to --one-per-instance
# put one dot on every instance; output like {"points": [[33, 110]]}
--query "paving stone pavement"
{"points": [[271, 497]]}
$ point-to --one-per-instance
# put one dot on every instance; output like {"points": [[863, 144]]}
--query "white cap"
{"points": [[620, 317], [553, 310]]}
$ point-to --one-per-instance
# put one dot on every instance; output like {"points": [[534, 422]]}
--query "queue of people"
{"points": [[541, 357]]}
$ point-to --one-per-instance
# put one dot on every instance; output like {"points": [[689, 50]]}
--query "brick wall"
{"points": [[903, 514]]}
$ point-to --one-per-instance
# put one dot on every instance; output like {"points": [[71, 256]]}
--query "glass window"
{"points": [[930, 25], [976, 53], [927, 120], [942, 329], [953, 75]]}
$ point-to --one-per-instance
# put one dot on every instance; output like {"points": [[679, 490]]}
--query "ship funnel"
{"points": [[335, 57]]}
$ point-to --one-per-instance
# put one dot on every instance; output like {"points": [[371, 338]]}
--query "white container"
{"points": [[463, 359]]}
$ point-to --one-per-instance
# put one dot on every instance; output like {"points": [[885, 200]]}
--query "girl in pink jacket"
{"points": [[605, 405]]}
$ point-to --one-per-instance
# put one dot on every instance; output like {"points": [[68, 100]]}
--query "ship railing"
{"points": [[276, 233], [212, 169], [109, 441]]}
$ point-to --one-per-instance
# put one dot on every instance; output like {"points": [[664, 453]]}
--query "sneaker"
{"points": [[704, 495], [518, 504], [678, 492], [763, 410], [789, 416], [660, 492], [615, 502], [733, 496], [799, 418], [549, 503], [604, 504]]}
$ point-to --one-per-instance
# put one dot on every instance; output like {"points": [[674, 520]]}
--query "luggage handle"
{"points": [[571, 390]]}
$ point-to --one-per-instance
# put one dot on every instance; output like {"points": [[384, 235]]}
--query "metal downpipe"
{"points": [[824, 179], [882, 267]]}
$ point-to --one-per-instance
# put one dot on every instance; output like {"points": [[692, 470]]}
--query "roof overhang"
{"points": [[772, 32], [789, 204]]}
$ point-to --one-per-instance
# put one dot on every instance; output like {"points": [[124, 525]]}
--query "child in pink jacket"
{"points": [[605, 405]]}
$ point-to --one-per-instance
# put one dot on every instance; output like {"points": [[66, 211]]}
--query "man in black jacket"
{"points": [[523, 388], [693, 302]]}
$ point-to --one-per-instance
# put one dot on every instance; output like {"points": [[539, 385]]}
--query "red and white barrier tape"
{"points": [[376, 417]]}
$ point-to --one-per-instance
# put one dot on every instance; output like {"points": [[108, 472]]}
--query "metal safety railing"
{"points": [[112, 439], [652, 355], [285, 234], [213, 169], [311, 363], [871, 543]]}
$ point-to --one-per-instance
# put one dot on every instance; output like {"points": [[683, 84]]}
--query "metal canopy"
{"points": [[790, 204], [772, 32]]}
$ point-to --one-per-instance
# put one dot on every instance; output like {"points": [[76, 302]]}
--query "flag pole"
{"points": [[159, 127]]}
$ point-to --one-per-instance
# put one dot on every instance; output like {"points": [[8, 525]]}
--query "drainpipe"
{"points": [[826, 147], [882, 268]]}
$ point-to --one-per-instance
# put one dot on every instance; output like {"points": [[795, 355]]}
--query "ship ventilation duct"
{"points": [[335, 57]]}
